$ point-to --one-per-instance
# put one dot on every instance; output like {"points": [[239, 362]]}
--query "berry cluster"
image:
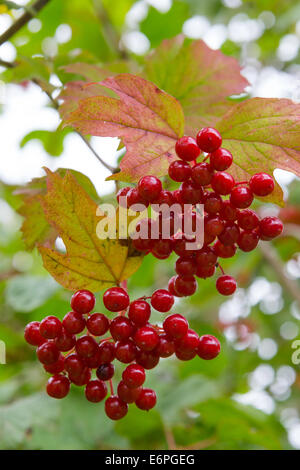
{"points": [[228, 222], [132, 341]]}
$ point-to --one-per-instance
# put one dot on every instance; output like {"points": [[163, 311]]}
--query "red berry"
{"points": [[105, 371], [146, 399], [230, 234], [48, 353], [165, 197], [58, 386], [107, 352], [127, 394], [122, 193], [180, 171], [212, 203], [190, 193], [175, 326], [73, 323], [171, 286], [57, 367], [134, 376], [97, 324], [185, 285], [188, 343], [185, 355], [82, 379], [209, 347], [209, 139], [65, 341], [187, 148], [94, 361], [248, 219], [115, 408], [147, 359], [221, 159], [121, 328], [270, 227], [149, 188], [213, 225], [223, 251], [202, 174], [185, 266], [133, 198], [50, 327], [205, 271], [206, 257], [74, 365], [116, 299], [86, 346], [161, 249], [32, 334], [241, 197], [226, 285], [125, 351], [165, 347], [248, 240], [142, 245], [95, 391], [83, 301], [146, 338], [261, 184], [162, 300], [228, 212], [139, 312], [222, 183]]}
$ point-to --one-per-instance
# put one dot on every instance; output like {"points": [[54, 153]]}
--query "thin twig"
{"points": [[199, 445], [171, 443], [8, 65]]}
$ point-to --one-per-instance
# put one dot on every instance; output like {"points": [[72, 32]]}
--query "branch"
{"points": [[23, 20], [169, 437], [8, 65]]}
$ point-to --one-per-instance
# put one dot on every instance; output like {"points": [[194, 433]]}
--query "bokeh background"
{"points": [[248, 398]]}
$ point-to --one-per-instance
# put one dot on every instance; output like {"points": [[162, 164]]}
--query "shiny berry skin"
{"points": [[248, 219], [32, 334], [65, 341], [161, 249], [179, 171], [86, 346], [190, 193], [185, 355], [83, 301], [185, 285], [139, 312], [270, 227], [56, 367], [202, 174], [97, 324], [171, 286], [223, 251], [148, 360], [122, 193], [228, 212], [47, 353], [248, 240], [115, 408], [261, 184], [107, 352], [146, 338], [133, 198], [185, 266], [73, 323], [213, 225], [74, 365], [82, 379], [226, 285], [212, 203], [50, 327], [125, 351], [121, 328], [146, 399], [149, 188], [127, 394], [175, 326], [116, 299], [58, 386], [162, 300], [221, 159], [230, 234], [209, 347], [95, 391], [187, 148], [134, 376], [105, 371], [206, 257], [165, 347], [241, 197], [209, 139], [205, 271], [222, 182], [189, 342]]}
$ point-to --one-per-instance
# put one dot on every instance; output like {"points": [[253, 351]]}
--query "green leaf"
{"points": [[52, 141], [25, 293]]}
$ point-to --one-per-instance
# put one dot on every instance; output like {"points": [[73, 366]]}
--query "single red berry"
{"points": [[83, 301], [213, 225], [185, 285], [74, 365], [32, 334], [147, 359], [134, 376], [116, 299], [58, 386], [205, 271], [82, 379], [149, 188], [65, 341], [115, 408], [226, 285], [125, 351], [228, 212], [127, 394], [146, 399], [190, 193], [93, 362], [97, 324], [73, 323], [209, 347], [248, 240], [107, 352], [105, 371], [165, 347], [50, 327], [248, 219], [188, 343], [261, 184], [122, 193], [162, 300], [209, 139], [95, 391], [187, 148], [171, 286], [161, 249], [223, 251], [185, 355], [134, 198], [146, 338], [222, 183], [121, 328], [86, 346], [185, 266], [179, 171], [270, 227], [143, 245], [48, 353], [175, 326], [57, 367], [202, 174], [139, 312], [230, 234], [241, 197], [206, 257], [165, 197], [212, 203], [221, 159]]}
